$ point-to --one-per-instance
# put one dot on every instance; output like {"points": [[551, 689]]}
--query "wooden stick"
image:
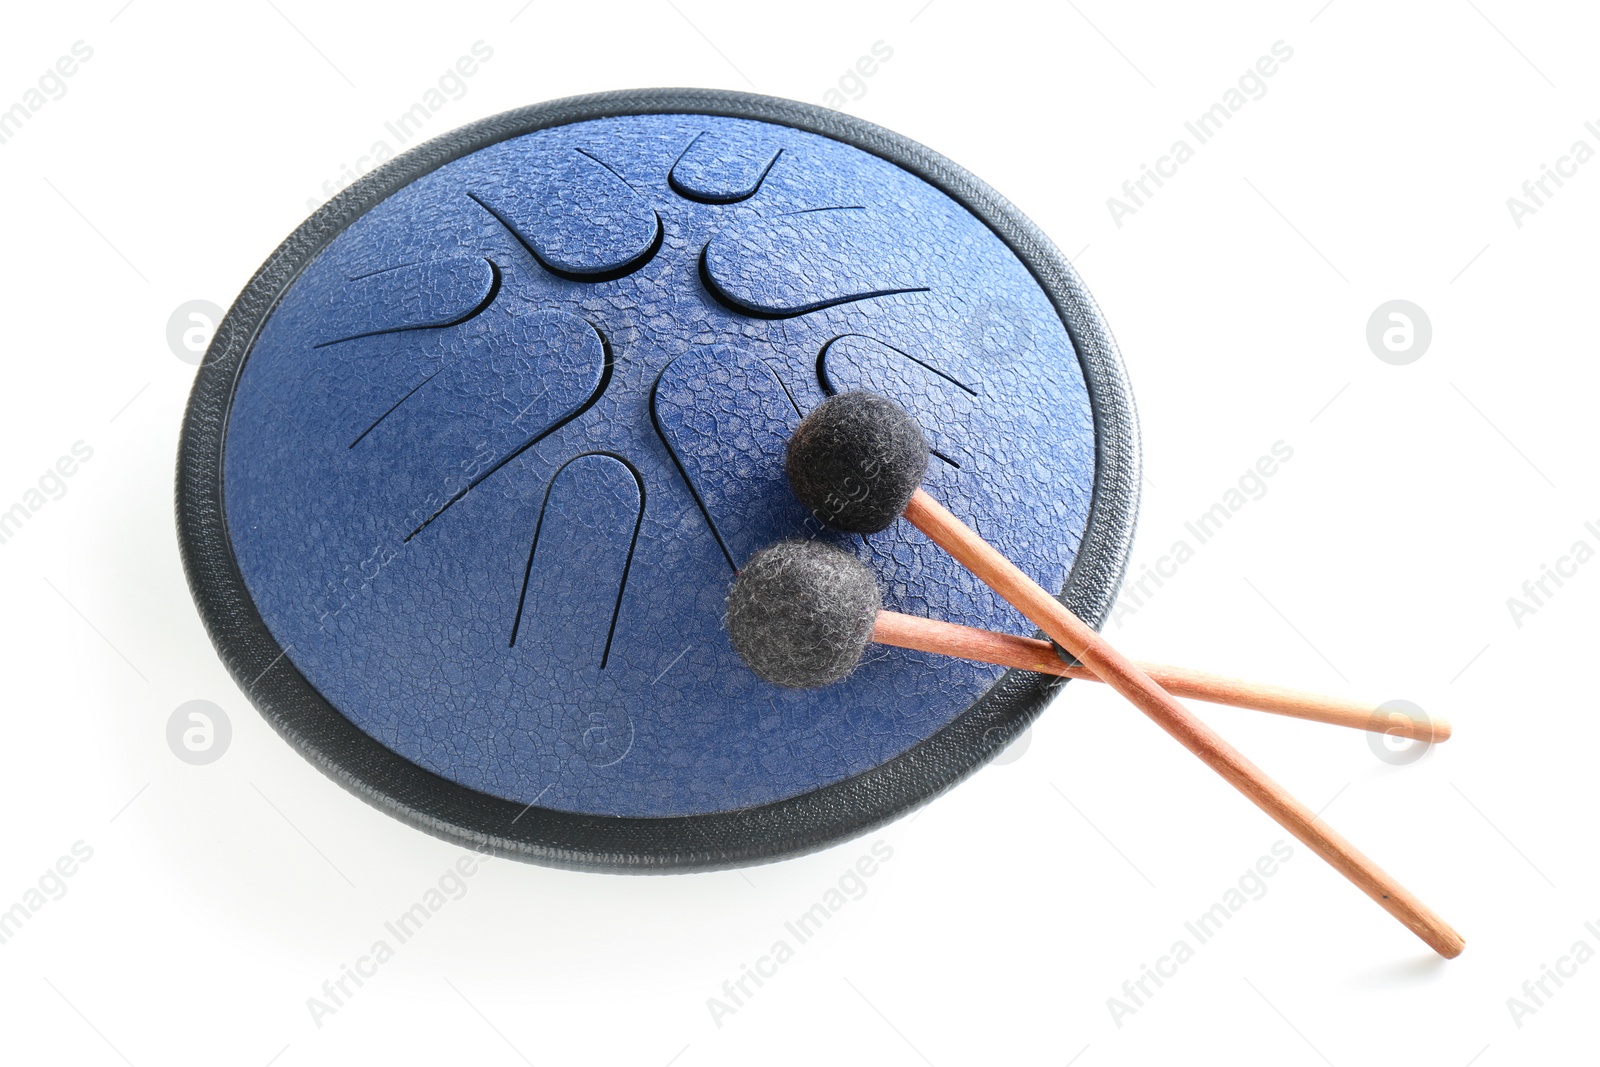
{"points": [[1029, 654], [1047, 613]]}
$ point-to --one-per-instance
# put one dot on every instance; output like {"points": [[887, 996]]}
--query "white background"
{"points": [[219, 898]]}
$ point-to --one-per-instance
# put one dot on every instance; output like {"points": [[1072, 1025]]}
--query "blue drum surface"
{"points": [[496, 454]]}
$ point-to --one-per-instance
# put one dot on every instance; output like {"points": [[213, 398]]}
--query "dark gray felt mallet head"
{"points": [[801, 613], [856, 460]]}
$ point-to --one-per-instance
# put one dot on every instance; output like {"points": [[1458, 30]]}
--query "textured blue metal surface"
{"points": [[494, 456]]}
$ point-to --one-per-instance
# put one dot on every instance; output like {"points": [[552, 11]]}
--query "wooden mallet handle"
{"points": [[1029, 654], [1047, 613]]}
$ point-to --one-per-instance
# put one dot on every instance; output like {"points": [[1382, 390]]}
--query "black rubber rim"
{"points": [[699, 842]]}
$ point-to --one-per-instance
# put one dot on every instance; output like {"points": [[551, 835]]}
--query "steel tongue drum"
{"points": [[473, 460]]}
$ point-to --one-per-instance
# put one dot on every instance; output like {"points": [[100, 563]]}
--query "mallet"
{"points": [[858, 461], [801, 595]]}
